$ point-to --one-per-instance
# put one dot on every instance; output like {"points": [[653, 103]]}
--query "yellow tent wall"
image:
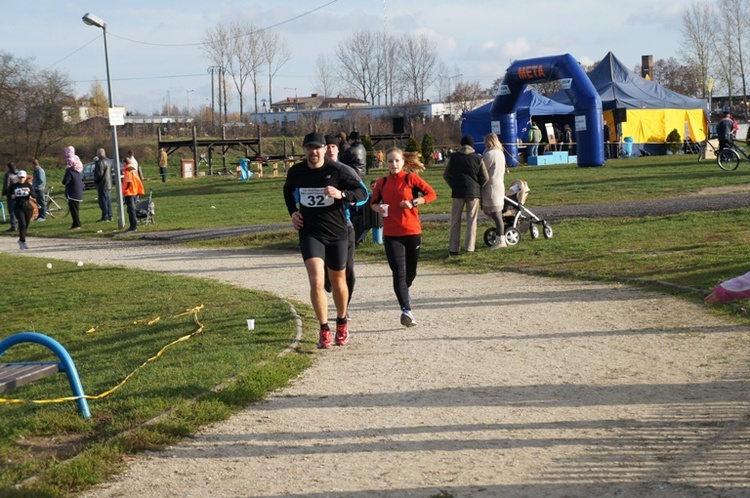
{"points": [[653, 125]]}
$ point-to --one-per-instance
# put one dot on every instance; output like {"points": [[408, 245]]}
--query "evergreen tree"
{"points": [[428, 149], [367, 143], [412, 145]]}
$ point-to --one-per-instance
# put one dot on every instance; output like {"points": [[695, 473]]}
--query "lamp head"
{"points": [[93, 20]]}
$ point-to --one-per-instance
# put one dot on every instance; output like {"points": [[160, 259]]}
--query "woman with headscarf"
{"points": [[73, 181]]}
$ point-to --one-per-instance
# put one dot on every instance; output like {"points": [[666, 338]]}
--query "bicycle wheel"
{"points": [[728, 159]]}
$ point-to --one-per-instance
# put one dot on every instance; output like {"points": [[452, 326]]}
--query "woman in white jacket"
{"points": [[493, 192]]}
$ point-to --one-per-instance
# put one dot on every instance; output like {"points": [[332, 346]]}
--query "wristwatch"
{"points": [[343, 194]]}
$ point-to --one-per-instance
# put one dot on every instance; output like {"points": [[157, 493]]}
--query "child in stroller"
{"points": [[518, 219]]}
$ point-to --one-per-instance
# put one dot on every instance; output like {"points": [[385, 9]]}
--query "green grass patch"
{"points": [[100, 315]]}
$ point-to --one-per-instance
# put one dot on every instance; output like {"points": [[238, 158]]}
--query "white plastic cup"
{"points": [[251, 324], [385, 210]]}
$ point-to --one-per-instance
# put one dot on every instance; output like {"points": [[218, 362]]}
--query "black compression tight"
{"points": [[403, 255]]}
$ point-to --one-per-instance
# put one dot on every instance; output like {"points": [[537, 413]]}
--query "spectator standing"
{"points": [[73, 181], [163, 163], [9, 180], [39, 185], [465, 174], [316, 192], [342, 142], [356, 157], [535, 136], [21, 192], [558, 136], [725, 130], [568, 138], [396, 196], [607, 133], [103, 182], [132, 187], [493, 192], [134, 164], [380, 157]]}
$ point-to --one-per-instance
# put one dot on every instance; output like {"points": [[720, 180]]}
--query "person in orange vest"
{"points": [[132, 187]]}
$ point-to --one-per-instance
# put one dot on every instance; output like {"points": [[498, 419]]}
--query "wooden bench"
{"points": [[13, 375]]}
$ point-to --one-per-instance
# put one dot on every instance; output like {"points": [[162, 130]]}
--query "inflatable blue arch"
{"points": [[589, 135]]}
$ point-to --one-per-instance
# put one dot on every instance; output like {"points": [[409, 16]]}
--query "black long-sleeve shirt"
{"points": [[323, 217]]}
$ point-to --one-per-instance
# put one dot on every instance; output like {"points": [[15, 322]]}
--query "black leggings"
{"points": [[24, 212], [403, 255]]}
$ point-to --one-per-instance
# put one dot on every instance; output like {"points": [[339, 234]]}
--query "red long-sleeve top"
{"points": [[393, 189]]}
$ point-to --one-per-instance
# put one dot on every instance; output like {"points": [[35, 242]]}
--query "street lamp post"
{"points": [[98, 22], [449, 78], [187, 93]]}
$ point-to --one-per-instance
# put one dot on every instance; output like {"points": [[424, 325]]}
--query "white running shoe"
{"points": [[407, 319]]}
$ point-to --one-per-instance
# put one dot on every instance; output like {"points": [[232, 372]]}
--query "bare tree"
{"points": [[276, 53], [732, 40], [418, 57], [31, 105], [217, 45], [250, 57], [677, 77], [98, 102], [698, 23], [390, 56], [468, 95], [325, 76], [355, 56]]}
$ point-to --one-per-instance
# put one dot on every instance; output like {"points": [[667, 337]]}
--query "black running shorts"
{"points": [[333, 253]]}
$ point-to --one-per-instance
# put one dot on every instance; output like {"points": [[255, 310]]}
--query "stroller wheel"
{"points": [[534, 231], [547, 231], [512, 236], [489, 236]]}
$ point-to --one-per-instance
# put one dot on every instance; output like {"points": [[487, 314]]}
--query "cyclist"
{"points": [[725, 131]]}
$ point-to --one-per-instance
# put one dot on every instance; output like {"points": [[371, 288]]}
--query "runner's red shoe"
{"points": [[325, 338], [342, 333]]}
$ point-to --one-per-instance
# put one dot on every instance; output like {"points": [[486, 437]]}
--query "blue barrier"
{"points": [[65, 365]]}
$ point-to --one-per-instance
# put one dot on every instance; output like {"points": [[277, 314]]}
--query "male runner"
{"points": [[317, 192]]}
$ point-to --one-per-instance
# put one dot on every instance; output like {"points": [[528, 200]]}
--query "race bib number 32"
{"points": [[314, 197]]}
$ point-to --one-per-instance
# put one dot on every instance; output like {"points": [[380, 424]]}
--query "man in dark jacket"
{"points": [[10, 179], [103, 181], [724, 130], [356, 157], [465, 174]]}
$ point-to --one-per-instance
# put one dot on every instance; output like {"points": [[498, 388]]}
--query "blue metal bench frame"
{"points": [[13, 375]]}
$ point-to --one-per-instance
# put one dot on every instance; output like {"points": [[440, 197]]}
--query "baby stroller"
{"points": [[517, 218], [144, 210]]}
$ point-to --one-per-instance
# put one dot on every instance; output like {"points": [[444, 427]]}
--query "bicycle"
{"points": [[707, 150], [51, 203], [729, 158]]}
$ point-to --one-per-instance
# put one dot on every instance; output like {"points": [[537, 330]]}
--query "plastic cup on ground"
{"points": [[251, 324], [385, 210]]}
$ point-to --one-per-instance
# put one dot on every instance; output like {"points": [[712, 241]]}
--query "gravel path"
{"points": [[712, 200], [510, 385]]}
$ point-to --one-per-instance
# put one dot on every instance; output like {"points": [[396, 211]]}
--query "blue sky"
{"points": [[154, 54]]}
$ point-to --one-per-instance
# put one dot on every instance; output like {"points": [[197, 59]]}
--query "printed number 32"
{"points": [[316, 200]]}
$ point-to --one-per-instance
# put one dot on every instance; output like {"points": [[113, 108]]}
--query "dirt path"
{"points": [[510, 385]]}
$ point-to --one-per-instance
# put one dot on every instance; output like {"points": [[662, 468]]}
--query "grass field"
{"points": [[695, 250]]}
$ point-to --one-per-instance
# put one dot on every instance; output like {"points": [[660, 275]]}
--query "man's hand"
{"points": [[331, 191], [297, 220]]}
